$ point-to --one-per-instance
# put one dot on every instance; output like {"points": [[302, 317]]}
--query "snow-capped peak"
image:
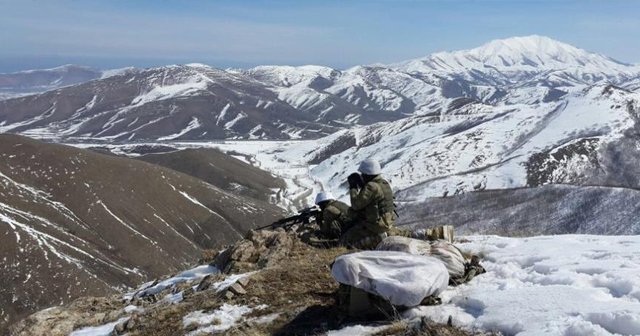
{"points": [[526, 53], [290, 75], [539, 50], [534, 45]]}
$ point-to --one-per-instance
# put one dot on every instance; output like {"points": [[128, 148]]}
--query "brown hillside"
{"points": [[75, 223], [221, 170]]}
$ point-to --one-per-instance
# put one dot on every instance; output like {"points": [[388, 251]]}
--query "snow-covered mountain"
{"points": [[520, 59], [197, 102], [520, 112], [589, 137], [166, 103], [526, 70]]}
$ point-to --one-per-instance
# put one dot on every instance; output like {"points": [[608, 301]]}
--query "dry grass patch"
{"points": [[300, 288]]}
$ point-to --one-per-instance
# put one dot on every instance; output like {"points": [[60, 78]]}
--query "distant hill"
{"points": [[78, 223], [221, 170], [40, 80]]}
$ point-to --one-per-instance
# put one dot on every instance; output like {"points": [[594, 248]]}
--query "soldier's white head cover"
{"points": [[370, 167], [323, 196]]}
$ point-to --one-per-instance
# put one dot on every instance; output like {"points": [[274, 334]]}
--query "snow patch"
{"points": [[219, 320], [359, 330], [193, 124], [194, 274], [103, 330]]}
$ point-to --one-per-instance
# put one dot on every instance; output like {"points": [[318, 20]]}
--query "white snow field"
{"points": [[571, 285], [357, 330], [218, 321]]}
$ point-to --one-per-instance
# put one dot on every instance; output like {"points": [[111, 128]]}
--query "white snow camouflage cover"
{"points": [[401, 278], [443, 250]]}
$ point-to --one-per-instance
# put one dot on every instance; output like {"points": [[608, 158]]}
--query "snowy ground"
{"points": [[567, 285], [103, 330]]}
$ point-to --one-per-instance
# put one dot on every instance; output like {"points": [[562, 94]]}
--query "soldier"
{"points": [[372, 203], [334, 218]]}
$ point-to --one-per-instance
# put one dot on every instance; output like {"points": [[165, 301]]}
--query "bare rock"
{"points": [[86, 311], [244, 282], [132, 322], [204, 284], [245, 250], [258, 250], [228, 295], [237, 289], [120, 327], [187, 292]]}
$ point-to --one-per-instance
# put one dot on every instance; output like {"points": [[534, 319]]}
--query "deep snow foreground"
{"points": [[548, 285]]}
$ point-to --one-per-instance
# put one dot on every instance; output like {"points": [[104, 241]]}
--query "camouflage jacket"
{"points": [[334, 216], [374, 203]]}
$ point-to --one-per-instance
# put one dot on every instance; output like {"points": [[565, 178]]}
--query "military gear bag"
{"points": [[444, 251], [401, 278]]}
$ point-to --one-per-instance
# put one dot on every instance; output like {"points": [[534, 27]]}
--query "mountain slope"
{"points": [[167, 103], [576, 140], [221, 170], [547, 210], [76, 223]]}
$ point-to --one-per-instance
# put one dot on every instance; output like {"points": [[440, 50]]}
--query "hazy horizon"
{"points": [[115, 34]]}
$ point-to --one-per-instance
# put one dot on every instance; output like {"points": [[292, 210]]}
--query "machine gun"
{"points": [[303, 217]]}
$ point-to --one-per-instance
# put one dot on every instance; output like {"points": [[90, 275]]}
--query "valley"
{"points": [[110, 179]]}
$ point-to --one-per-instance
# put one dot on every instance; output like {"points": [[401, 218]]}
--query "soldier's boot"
{"points": [[370, 242]]}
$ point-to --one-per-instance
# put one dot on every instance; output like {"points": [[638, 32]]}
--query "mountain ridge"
{"points": [[199, 102]]}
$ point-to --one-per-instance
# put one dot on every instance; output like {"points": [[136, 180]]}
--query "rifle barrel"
{"points": [[292, 220]]}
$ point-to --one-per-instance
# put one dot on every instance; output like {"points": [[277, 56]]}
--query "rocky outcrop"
{"points": [[259, 249]]}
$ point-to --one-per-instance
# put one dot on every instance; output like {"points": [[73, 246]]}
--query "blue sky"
{"points": [[109, 34]]}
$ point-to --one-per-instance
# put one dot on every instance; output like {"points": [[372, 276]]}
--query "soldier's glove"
{"points": [[355, 181]]}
